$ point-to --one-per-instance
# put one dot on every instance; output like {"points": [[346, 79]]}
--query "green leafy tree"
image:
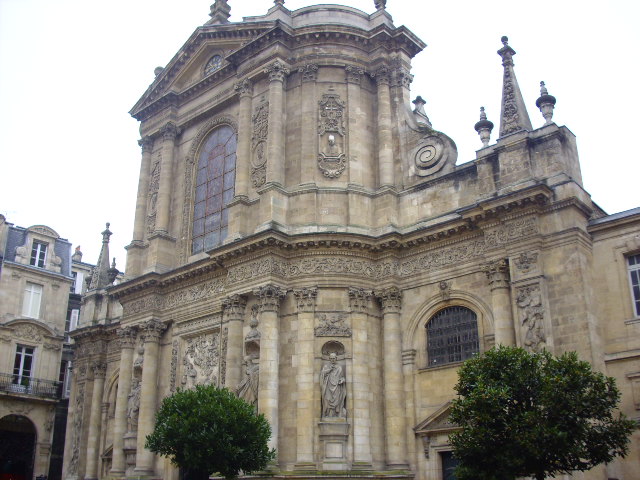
{"points": [[209, 429], [532, 414]]}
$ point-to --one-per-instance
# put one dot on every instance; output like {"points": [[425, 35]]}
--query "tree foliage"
{"points": [[532, 414], [209, 429]]}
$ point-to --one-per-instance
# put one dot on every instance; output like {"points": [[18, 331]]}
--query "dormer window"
{"points": [[38, 254], [213, 64]]}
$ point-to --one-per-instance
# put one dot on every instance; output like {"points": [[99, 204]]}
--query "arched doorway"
{"points": [[17, 447]]}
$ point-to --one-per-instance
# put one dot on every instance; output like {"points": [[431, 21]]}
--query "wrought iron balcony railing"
{"points": [[30, 386]]}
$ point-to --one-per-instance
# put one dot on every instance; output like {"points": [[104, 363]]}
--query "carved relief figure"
{"points": [[248, 387], [133, 404], [333, 388], [200, 360], [529, 301]]}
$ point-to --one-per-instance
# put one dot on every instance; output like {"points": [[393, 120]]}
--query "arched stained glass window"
{"points": [[215, 181], [452, 336]]}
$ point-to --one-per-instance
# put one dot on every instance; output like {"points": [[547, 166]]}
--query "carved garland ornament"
{"points": [[152, 199], [260, 121], [331, 132], [332, 325]]}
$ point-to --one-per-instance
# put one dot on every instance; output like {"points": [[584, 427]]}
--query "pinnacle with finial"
{"points": [[484, 127], [546, 104], [279, 2], [513, 113], [220, 12], [100, 275], [380, 4]]}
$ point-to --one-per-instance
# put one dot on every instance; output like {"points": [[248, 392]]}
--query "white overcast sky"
{"points": [[70, 70]]}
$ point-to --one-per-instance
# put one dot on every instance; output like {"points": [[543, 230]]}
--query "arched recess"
{"points": [[18, 436], [190, 170], [414, 336]]}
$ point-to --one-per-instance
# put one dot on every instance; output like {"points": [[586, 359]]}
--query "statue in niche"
{"points": [[248, 388], [133, 404], [334, 388]]}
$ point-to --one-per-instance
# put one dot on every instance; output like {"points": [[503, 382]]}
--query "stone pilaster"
{"points": [[277, 72], [169, 134], [233, 315], [269, 297], [309, 124], [126, 340], [99, 369], [498, 276], [305, 379], [385, 139], [357, 172], [359, 302], [146, 144], [394, 414], [243, 162], [152, 331], [408, 369]]}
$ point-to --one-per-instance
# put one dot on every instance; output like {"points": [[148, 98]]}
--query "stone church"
{"points": [[304, 237]]}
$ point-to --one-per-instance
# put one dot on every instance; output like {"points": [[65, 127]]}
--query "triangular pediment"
{"points": [[437, 422]]}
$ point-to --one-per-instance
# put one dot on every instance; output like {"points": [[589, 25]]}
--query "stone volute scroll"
{"points": [[331, 135]]}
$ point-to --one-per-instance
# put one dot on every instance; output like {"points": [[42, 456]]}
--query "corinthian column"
{"points": [[233, 314], [385, 140], [394, 414], [359, 302], [146, 144], [498, 276], [243, 162], [152, 331], [126, 339], [93, 440], [269, 297], [169, 134], [305, 379], [277, 72]]}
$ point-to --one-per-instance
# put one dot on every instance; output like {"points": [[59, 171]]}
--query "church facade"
{"points": [[304, 237]]}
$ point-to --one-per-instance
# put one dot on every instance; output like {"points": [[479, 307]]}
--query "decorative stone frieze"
{"points": [[390, 299], [269, 297], [498, 274], [28, 332], [332, 325], [306, 298], [359, 299]]}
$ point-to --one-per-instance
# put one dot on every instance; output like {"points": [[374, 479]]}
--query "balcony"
{"points": [[30, 386]]}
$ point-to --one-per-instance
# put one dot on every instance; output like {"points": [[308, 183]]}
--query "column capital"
{"points": [[152, 330], [233, 307], [146, 144], [309, 72], [269, 297], [169, 131], [99, 368], [277, 71], [391, 299], [382, 75], [354, 74], [400, 77], [306, 298], [126, 337], [497, 273], [359, 299], [244, 88]]}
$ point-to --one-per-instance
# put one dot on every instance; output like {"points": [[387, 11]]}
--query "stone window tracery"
{"points": [[452, 336], [214, 190]]}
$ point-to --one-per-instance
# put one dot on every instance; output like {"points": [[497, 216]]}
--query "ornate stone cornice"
{"points": [[277, 71], [306, 298], [234, 307], [126, 337], [390, 299], [269, 297], [99, 369], [146, 144], [309, 72], [152, 330], [244, 88], [497, 274], [359, 299]]}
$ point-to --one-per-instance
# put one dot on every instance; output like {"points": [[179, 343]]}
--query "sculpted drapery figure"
{"points": [[334, 391], [133, 404], [248, 387]]}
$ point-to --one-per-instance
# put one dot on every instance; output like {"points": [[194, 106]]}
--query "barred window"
{"points": [[452, 336], [634, 280], [215, 184]]}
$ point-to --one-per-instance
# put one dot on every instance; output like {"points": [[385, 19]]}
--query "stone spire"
{"points": [[546, 103], [100, 275], [220, 12], [513, 114]]}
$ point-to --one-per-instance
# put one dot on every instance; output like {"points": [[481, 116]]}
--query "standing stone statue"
{"points": [[248, 388], [334, 391], [133, 404]]}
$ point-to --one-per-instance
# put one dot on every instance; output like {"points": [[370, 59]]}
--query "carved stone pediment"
{"points": [[437, 422]]}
